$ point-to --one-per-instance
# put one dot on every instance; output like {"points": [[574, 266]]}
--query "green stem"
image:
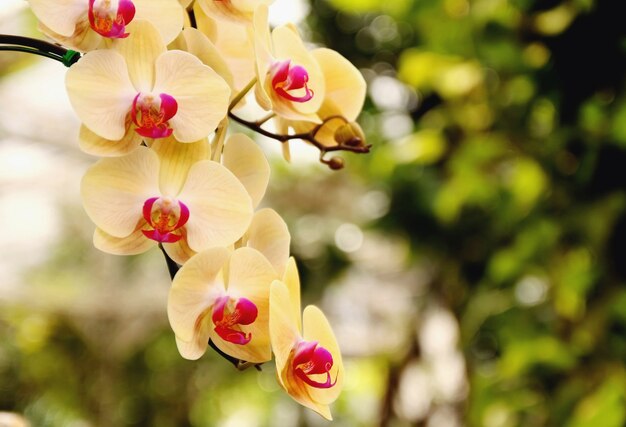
{"points": [[38, 47], [241, 94]]}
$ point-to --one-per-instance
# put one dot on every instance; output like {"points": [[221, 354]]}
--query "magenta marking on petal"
{"points": [[312, 359], [147, 208], [126, 10], [169, 106], [245, 312], [164, 219], [288, 78]]}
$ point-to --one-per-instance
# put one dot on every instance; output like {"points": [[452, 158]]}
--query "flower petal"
{"points": [[250, 276], [194, 290], [345, 86], [61, 16], [166, 15], [114, 190], [200, 46], [284, 333], [220, 207], [101, 92], [95, 145], [247, 162], [141, 50], [175, 160], [317, 328], [268, 233], [133, 244], [291, 279], [202, 95]]}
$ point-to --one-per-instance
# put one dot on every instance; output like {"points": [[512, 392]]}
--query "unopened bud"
{"points": [[335, 163], [350, 134]]}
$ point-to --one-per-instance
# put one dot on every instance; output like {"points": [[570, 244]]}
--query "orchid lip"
{"points": [[288, 78], [228, 314], [312, 359], [166, 217], [109, 20], [151, 114]]}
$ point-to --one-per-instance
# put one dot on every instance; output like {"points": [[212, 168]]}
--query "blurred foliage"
{"points": [[499, 133]]}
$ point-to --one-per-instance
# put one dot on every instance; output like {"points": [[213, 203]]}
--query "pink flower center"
{"points": [[165, 216], [151, 114], [290, 81], [312, 359], [110, 17], [229, 313]]}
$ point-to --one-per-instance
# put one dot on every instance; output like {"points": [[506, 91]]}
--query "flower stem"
{"points": [[38, 47], [241, 94]]}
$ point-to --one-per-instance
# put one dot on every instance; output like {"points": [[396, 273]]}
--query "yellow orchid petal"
{"points": [[133, 244], [200, 46], [291, 279], [205, 24], [95, 145], [345, 86], [193, 350], [317, 328], [284, 333], [166, 15], [179, 251], [60, 16], [263, 55], [114, 190], [201, 94], [101, 92], [268, 233], [250, 276], [175, 161], [141, 50], [194, 290], [219, 205], [247, 162]]}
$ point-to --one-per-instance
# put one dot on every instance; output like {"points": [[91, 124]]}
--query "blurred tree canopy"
{"points": [[494, 192]]}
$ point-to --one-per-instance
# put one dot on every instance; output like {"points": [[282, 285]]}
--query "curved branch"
{"points": [[38, 47]]}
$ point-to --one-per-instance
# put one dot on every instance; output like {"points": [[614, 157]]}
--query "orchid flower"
{"points": [[290, 81], [165, 195], [141, 90], [246, 161], [223, 297], [308, 364], [84, 24], [239, 11]]}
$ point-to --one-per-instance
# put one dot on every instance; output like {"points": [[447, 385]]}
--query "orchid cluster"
{"points": [[156, 85]]}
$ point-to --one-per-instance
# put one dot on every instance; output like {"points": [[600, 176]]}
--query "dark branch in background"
{"points": [[173, 268], [38, 47]]}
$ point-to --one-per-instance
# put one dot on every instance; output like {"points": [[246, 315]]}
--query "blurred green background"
{"points": [[471, 265]]}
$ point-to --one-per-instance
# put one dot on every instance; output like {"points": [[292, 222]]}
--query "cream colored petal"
{"points": [[243, 157], [345, 86], [205, 24], [114, 190], [289, 45], [250, 276], [317, 328], [140, 50], [179, 251], [61, 16], [193, 350], [101, 92], [284, 333], [175, 161], [194, 290], [166, 15], [219, 205], [95, 145], [133, 244], [263, 53], [291, 279], [200, 46], [202, 95], [268, 233], [84, 39]]}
